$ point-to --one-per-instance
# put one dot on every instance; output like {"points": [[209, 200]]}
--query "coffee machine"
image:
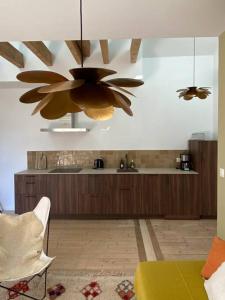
{"points": [[185, 162]]}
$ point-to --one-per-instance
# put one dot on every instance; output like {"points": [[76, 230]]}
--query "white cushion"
{"points": [[215, 285]]}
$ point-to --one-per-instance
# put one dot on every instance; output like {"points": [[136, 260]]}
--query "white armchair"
{"points": [[21, 246]]}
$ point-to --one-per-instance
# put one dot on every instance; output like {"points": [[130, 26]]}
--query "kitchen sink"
{"points": [[128, 170], [65, 170]]}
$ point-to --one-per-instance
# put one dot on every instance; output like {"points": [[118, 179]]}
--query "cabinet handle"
{"points": [[32, 182], [29, 196]]}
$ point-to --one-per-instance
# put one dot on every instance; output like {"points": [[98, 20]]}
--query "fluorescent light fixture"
{"points": [[64, 129]]}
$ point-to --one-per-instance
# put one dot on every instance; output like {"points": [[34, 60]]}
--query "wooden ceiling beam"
{"points": [[134, 49], [75, 50], [41, 51], [105, 50], [10, 53], [86, 47]]}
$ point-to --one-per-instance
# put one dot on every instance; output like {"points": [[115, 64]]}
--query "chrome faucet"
{"points": [[60, 162]]}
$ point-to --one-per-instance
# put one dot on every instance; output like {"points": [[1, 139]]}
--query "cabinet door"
{"points": [[182, 201], [204, 157], [153, 194], [209, 179], [127, 195], [61, 189], [94, 194]]}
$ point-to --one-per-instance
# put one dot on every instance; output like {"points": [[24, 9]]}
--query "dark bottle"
{"points": [[122, 164], [126, 164]]}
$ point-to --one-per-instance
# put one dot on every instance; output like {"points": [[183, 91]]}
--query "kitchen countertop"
{"points": [[153, 171]]}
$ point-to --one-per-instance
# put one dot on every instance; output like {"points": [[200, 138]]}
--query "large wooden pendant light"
{"points": [[87, 92], [190, 92]]}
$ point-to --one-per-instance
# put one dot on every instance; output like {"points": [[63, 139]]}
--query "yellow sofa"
{"points": [[170, 280]]}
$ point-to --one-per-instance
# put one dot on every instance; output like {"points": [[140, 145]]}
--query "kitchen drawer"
{"points": [[30, 184], [25, 203]]}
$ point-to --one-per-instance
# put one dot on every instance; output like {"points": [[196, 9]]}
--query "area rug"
{"points": [[83, 288], [95, 260]]}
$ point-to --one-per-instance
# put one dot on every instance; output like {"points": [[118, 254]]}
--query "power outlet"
{"points": [[222, 173]]}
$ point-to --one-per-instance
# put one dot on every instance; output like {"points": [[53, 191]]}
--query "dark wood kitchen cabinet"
{"points": [[204, 158], [153, 195], [28, 190], [110, 195], [94, 194], [60, 189], [127, 194], [181, 201], [29, 184]]}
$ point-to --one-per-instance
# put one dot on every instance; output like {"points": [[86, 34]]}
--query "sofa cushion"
{"points": [[215, 258], [215, 285], [170, 280]]}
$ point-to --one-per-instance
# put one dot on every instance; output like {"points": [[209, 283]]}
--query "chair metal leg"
{"points": [[45, 273], [48, 230]]}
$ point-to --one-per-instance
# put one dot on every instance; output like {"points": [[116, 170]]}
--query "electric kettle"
{"points": [[98, 163]]}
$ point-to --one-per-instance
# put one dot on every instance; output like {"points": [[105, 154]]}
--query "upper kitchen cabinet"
{"points": [[204, 158]]}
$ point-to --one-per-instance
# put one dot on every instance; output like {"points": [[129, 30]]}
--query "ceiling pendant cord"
{"points": [[194, 62], [81, 34]]}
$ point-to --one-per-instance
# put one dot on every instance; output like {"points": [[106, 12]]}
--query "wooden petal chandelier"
{"points": [[87, 91], [190, 92]]}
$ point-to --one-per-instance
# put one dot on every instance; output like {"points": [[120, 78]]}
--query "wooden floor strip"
{"points": [[140, 243], [149, 249], [155, 243]]}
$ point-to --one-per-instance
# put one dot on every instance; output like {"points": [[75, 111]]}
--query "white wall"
{"points": [[161, 120]]}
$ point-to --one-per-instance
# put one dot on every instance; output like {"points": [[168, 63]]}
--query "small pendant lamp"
{"points": [[190, 92]]}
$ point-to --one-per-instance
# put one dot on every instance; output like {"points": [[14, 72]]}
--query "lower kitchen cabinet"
{"points": [[110, 196], [61, 190], [153, 195], [181, 201], [28, 191], [25, 203], [126, 195], [93, 195], [30, 184]]}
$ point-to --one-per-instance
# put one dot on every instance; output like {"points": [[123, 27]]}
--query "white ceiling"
{"points": [[115, 19]]}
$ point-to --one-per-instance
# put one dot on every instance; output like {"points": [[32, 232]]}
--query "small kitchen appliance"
{"points": [[98, 163], [185, 162]]}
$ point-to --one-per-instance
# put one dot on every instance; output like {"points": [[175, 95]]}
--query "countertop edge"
{"points": [[112, 171]]}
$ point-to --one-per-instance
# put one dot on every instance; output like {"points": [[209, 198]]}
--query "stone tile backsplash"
{"points": [[85, 159]]}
